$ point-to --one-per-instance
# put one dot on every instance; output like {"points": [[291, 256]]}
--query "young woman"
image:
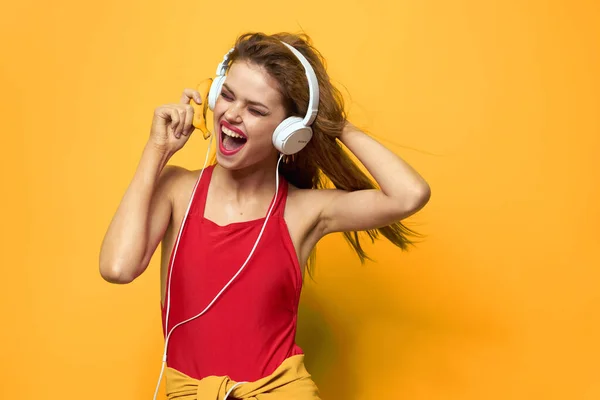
{"points": [[236, 236]]}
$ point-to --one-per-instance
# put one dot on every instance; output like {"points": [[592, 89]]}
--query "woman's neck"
{"points": [[250, 182]]}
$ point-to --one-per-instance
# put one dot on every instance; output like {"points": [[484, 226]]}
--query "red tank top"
{"points": [[251, 328]]}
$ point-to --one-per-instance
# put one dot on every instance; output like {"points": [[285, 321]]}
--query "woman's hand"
{"points": [[172, 123]]}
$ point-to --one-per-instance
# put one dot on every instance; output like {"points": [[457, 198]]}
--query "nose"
{"points": [[233, 113]]}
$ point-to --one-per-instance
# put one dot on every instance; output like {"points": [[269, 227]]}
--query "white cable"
{"points": [[182, 226], [231, 390], [168, 300]]}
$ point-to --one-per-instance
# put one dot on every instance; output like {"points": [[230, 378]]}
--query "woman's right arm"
{"points": [[143, 215]]}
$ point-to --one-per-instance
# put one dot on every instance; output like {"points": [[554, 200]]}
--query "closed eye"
{"points": [[256, 112]]}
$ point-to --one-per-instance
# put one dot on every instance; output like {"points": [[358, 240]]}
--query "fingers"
{"points": [[190, 94], [179, 118], [189, 119], [183, 125], [180, 125], [175, 121]]}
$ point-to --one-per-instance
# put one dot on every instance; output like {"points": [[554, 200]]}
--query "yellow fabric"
{"points": [[290, 381]]}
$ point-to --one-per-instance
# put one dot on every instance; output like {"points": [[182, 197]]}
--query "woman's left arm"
{"points": [[403, 191]]}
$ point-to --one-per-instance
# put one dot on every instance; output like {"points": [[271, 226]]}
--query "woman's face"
{"points": [[246, 113]]}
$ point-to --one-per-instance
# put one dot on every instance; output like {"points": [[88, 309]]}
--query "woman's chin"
{"points": [[246, 157]]}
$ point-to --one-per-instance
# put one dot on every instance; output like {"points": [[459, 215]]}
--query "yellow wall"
{"points": [[496, 103]]}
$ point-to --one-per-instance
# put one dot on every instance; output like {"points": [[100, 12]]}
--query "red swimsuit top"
{"points": [[251, 328]]}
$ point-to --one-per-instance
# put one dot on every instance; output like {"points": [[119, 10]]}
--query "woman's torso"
{"points": [[250, 329], [300, 215]]}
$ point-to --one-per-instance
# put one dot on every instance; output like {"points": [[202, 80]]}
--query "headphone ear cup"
{"points": [[215, 91], [291, 135]]}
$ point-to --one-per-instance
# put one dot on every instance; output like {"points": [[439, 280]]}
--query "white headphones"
{"points": [[293, 133]]}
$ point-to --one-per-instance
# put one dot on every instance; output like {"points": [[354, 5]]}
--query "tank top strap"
{"points": [[200, 192]]}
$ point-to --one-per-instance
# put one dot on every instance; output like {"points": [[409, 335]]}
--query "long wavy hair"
{"points": [[323, 161]]}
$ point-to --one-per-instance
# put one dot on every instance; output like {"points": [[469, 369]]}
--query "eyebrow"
{"points": [[256, 103]]}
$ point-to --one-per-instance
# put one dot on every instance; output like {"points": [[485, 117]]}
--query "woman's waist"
{"points": [[289, 379], [241, 360]]}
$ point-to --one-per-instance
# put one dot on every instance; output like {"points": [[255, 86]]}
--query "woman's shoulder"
{"points": [[313, 199], [179, 180], [305, 210], [312, 193], [175, 174]]}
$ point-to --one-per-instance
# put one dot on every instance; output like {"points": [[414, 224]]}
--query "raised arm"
{"points": [[403, 191], [144, 213]]}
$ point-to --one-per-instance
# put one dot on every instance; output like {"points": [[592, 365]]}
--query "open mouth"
{"points": [[232, 140]]}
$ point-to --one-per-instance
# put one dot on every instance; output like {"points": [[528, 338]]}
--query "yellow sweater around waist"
{"points": [[290, 381]]}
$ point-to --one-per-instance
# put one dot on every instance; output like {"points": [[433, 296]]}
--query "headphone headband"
{"points": [[313, 82], [313, 87], [222, 67]]}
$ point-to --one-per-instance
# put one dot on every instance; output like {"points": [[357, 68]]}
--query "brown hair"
{"points": [[323, 160]]}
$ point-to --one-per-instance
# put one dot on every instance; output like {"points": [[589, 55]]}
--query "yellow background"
{"points": [[495, 103]]}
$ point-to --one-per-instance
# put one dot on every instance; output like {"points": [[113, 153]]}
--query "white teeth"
{"points": [[231, 133]]}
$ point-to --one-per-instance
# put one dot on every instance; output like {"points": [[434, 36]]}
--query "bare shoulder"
{"points": [[303, 216], [174, 175], [180, 183], [308, 204], [312, 198]]}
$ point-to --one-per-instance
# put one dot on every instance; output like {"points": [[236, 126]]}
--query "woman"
{"points": [[237, 236]]}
